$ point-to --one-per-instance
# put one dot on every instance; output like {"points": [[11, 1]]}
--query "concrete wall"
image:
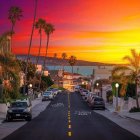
{"points": [[3, 108], [125, 105]]}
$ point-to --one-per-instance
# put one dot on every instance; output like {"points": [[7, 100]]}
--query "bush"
{"points": [[134, 109]]}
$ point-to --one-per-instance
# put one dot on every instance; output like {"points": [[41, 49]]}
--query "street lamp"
{"points": [[117, 86], [30, 85], [97, 84]]}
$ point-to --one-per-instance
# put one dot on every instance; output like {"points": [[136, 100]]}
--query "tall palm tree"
{"points": [[72, 61], [49, 29], [30, 44], [132, 71], [64, 56], [15, 13], [40, 25]]}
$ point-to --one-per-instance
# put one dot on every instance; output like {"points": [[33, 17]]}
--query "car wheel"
{"points": [[8, 119], [28, 119], [103, 108]]}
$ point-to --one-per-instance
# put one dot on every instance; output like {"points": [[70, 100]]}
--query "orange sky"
{"points": [[92, 30]]}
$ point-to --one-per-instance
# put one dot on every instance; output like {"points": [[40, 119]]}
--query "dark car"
{"points": [[19, 110], [97, 103]]}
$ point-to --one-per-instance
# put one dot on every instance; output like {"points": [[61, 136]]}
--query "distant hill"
{"points": [[52, 61]]}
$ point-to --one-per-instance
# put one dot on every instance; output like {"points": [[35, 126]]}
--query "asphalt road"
{"points": [[69, 118]]}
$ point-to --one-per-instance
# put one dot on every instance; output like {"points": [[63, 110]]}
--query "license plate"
{"points": [[17, 115]]}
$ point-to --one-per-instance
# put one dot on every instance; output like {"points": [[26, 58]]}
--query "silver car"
{"points": [[47, 96]]}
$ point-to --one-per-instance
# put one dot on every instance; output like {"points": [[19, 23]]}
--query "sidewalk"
{"points": [[34, 103], [124, 113], [126, 120]]}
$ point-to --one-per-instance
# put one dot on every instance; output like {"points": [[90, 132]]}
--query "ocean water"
{"points": [[84, 70]]}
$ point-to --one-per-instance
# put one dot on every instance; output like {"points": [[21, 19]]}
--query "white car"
{"points": [[47, 95]]}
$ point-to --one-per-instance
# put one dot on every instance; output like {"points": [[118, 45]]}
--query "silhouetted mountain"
{"points": [[58, 61]]}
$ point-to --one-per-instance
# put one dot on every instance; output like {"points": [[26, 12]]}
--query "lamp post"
{"points": [[30, 91], [117, 86], [97, 84]]}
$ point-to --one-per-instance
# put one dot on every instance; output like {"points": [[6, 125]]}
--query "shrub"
{"points": [[134, 109]]}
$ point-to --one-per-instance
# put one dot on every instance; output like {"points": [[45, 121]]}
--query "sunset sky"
{"points": [[92, 30]]}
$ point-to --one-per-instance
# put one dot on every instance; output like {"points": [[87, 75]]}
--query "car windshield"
{"points": [[46, 93], [98, 99], [19, 104]]}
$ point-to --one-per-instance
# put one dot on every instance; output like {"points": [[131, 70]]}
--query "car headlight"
{"points": [[10, 110]]}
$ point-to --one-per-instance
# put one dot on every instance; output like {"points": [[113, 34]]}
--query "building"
{"points": [[71, 80]]}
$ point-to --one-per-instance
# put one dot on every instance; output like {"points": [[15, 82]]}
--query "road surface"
{"points": [[69, 118]]}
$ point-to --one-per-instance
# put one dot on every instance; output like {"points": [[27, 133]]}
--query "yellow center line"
{"points": [[69, 126], [69, 117], [69, 134]]}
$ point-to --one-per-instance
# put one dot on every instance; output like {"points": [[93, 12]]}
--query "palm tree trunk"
{"points": [[37, 59], [72, 69], [11, 38], [30, 44], [44, 65], [137, 98]]}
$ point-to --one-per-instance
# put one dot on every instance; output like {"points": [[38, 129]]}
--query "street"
{"points": [[68, 117]]}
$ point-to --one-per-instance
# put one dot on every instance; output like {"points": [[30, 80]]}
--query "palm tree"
{"points": [[132, 71], [40, 25], [64, 56], [5, 42], [30, 44], [55, 57], [15, 13], [72, 61], [49, 29]]}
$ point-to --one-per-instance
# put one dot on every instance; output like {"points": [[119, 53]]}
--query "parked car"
{"points": [[97, 103], [19, 110], [47, 95], [90, 97]]}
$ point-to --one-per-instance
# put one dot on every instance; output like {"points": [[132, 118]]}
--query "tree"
{"points": [[46, 82], [10, 74], [49, 29], [40, 25], [15, 13], [30, 44], [64, 56], [72, 61], [131, 71], [5, 42]]}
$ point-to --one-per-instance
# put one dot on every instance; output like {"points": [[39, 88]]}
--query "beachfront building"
{"points": [[71, 80]]}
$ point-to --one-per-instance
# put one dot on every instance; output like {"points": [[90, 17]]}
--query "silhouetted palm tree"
{"points": [[40, 25], [72, 61], [15, 13], [64, 56], [49, 29], [132, 71], [30, 43]]}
